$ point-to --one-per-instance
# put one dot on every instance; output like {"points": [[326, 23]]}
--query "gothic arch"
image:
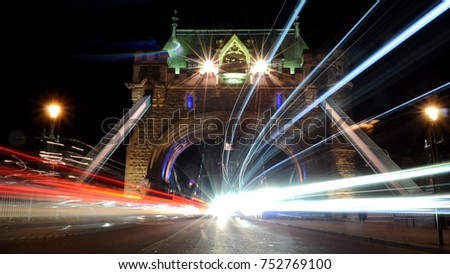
{"points": [[181, 136]]}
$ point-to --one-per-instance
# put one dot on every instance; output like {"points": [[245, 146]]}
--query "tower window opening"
{"points": [[190, 101], [278, 100]]}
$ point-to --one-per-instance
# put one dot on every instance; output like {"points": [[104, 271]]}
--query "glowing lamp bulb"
{"points": [[208, 67], [260, 67], [432, 112], [54, 110]]}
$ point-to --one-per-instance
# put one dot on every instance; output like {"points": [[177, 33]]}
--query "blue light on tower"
{"points": [[279, 100], [190, 101]]}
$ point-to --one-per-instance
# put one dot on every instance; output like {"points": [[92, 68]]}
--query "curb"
{"points": [[428, 249]]}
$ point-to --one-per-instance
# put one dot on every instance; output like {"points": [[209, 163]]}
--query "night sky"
{"points": [[79, 52]]}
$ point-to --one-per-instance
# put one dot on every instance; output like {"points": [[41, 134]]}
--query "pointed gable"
{"points": [[234, 56]]}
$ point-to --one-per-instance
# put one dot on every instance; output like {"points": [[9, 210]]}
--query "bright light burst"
{"points": [[432, 112], [54, 110], [209, 67], [260, 66], [293, 198]]}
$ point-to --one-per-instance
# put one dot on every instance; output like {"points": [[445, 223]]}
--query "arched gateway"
{"points": [[200, 86]]}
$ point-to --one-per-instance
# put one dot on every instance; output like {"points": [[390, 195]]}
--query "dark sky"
{"points": [[80, 53]]}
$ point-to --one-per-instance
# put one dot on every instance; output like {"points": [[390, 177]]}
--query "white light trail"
{"points": [[392, 44], [114, 137], [256, 146], [433, 91], [259, 199], [272, 53], [325, 140], [415, 205], [411, 30], [314, 73]]}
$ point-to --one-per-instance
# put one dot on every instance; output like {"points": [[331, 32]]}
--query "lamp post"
{"points": [[433, 115], [53, 110]]}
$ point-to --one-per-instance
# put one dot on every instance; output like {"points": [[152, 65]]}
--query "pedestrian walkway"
{"points": [[385, 232]]}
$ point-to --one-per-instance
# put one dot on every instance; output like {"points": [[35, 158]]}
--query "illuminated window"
{"points": [[278, 100], [189, 101]]}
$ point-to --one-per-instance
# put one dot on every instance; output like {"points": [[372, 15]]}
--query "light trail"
{"points": [[301, 87], [114, 138], [249, 95], [41, 196], [408, 205], [341, 132], [433, 91], [14, 197], [392, 44], [259, 198], [383, 51], [29, 193]]}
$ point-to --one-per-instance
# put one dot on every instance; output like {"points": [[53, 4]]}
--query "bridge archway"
{"points": [[213, 129]]}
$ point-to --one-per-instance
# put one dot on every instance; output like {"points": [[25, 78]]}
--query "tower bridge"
{"points": [[202, 105]]}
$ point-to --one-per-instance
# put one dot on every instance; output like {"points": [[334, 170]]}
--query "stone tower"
{"points": [[199, 83]]}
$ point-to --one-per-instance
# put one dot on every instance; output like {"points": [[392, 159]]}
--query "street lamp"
{"points": [[53, 110], [432, 113]]}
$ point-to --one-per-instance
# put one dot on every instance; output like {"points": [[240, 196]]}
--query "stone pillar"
{"points": [[345, 166], [343, 152]]}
